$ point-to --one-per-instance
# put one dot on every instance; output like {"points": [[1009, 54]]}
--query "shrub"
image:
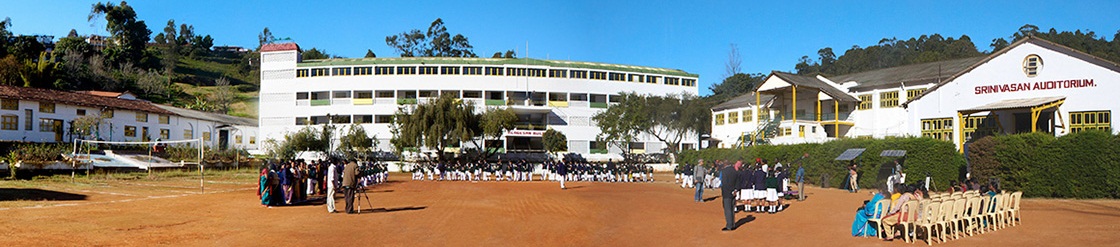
{"points": [[1077, 165]]}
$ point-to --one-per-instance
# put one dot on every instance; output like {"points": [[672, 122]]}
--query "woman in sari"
{"points": [[264, 190], [860, 226]]}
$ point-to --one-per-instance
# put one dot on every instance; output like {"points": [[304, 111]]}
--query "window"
{"points": [[1031, 64], [598, 75], [764, 114], [978, 126], [472, 70], [449, 70], [363, 94], [493, 71], [450, 93], [301, 73], [341, 94], [383, 70], [164, 119], [383, 119], [672, 81], [340, 71], [130, 131], [301, 96], [252, 140], [579, 74], [302, 121], [472, 94], [615, 98], [719, 119], [46, 125], [652, 79], [237, 139], [188, 134], [557, 73], [515, 71], [536, 72], [45, 107], [320, 72], [1090, 120], [81, 112], [429, 93], [10, 122], [403, 70], [9, 104], [141, 117], [164, 134], [363, 119], [340, 119], [28, 118], [320, 95], [637, 78], [748, 115], [688, 82], [938, 128], [864, 102], [319, 120], [363, 70], [429, 70], [616, 76], [888, 99], [577, 97], [733, 117], [913, 93], [206, 136], [385, 94]]}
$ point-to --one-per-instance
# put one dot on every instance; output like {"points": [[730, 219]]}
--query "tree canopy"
{"points": [[436, 42], [669, 119], [888, 53], [435, 124], [130, 35]]}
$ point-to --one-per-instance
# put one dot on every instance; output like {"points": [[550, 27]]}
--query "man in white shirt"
{"points": [[331, 178]]}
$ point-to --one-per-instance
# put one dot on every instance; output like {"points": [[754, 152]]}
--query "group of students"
{"points": [[294, 181], [527, 171], [759, 187], [899, 194]]}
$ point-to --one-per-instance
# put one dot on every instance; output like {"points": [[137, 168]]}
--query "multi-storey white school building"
{"points": [[1033, 85], [49, 116], [561, 95]]}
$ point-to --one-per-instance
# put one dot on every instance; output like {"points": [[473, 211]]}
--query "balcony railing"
{"points": [[363, 101], [599, 150], [319, 102], [495, 102], [598, 104], [530, 126], [558, 103], [406, 101], [844, 116]]}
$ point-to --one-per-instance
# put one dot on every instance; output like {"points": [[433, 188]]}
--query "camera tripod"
{"points": [[363, 193]]}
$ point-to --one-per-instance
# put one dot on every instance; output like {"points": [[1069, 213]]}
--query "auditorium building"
{"points": [[561, 95], [1033, 85]]}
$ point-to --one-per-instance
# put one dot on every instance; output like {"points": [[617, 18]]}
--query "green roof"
{"points": [[494, 61]]}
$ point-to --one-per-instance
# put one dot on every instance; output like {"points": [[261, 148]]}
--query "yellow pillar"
{"points": [[818, 109], [1034, 119], [794, 111], [960, 132], [836, 115]]}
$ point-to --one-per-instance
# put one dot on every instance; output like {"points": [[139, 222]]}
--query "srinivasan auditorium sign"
{"points": [[1034, 86]]}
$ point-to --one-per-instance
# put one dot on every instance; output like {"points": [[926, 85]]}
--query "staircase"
{"points": [[766, 130]]}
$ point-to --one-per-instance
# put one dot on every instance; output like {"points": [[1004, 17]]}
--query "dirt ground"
{"points": [[426, 213]]}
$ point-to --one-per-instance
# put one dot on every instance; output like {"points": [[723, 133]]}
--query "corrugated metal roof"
{"points": [[280, 47], [919, 73], [208, 116], [493, 61], [742, 101], [1013, 104], [813, 82]]}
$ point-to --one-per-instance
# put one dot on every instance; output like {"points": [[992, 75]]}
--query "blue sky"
{"points": [[692, 36]]}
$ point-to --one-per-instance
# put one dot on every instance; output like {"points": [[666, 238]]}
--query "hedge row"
{"points": [[1077, 165], [924, 155]]}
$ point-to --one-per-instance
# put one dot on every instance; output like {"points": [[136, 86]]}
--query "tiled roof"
{"points": [[209, 116], [742, 101], [280, 47], [72, 98], [923, 73], [813, 82], [102, 93]]}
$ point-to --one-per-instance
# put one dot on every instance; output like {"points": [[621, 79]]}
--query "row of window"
{"points": [[942, 128], [47, 107], [464, 94], [495, 71], [747, 116], [887, 99], [344, 119]]}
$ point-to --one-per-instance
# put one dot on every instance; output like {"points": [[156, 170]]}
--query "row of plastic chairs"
{"points": [[951, 216]]}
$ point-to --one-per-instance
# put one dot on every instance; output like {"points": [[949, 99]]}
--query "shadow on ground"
{"points": [[13, 194]]}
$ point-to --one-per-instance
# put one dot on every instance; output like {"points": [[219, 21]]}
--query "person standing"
{"points": [[853, 186], [349, 184], [800, 183], [331, 179], [728, 182], [562, 169], [698, 176]]}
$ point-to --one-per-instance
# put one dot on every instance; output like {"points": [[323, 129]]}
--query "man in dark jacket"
{"points": [[728, 183], [562, 169], [349, 184]]}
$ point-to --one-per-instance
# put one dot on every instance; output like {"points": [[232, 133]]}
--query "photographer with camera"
{"points": [[349, 184]]}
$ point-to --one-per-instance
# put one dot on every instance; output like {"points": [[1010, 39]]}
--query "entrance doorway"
{"points": [[223, 139], [1045, 122]]}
